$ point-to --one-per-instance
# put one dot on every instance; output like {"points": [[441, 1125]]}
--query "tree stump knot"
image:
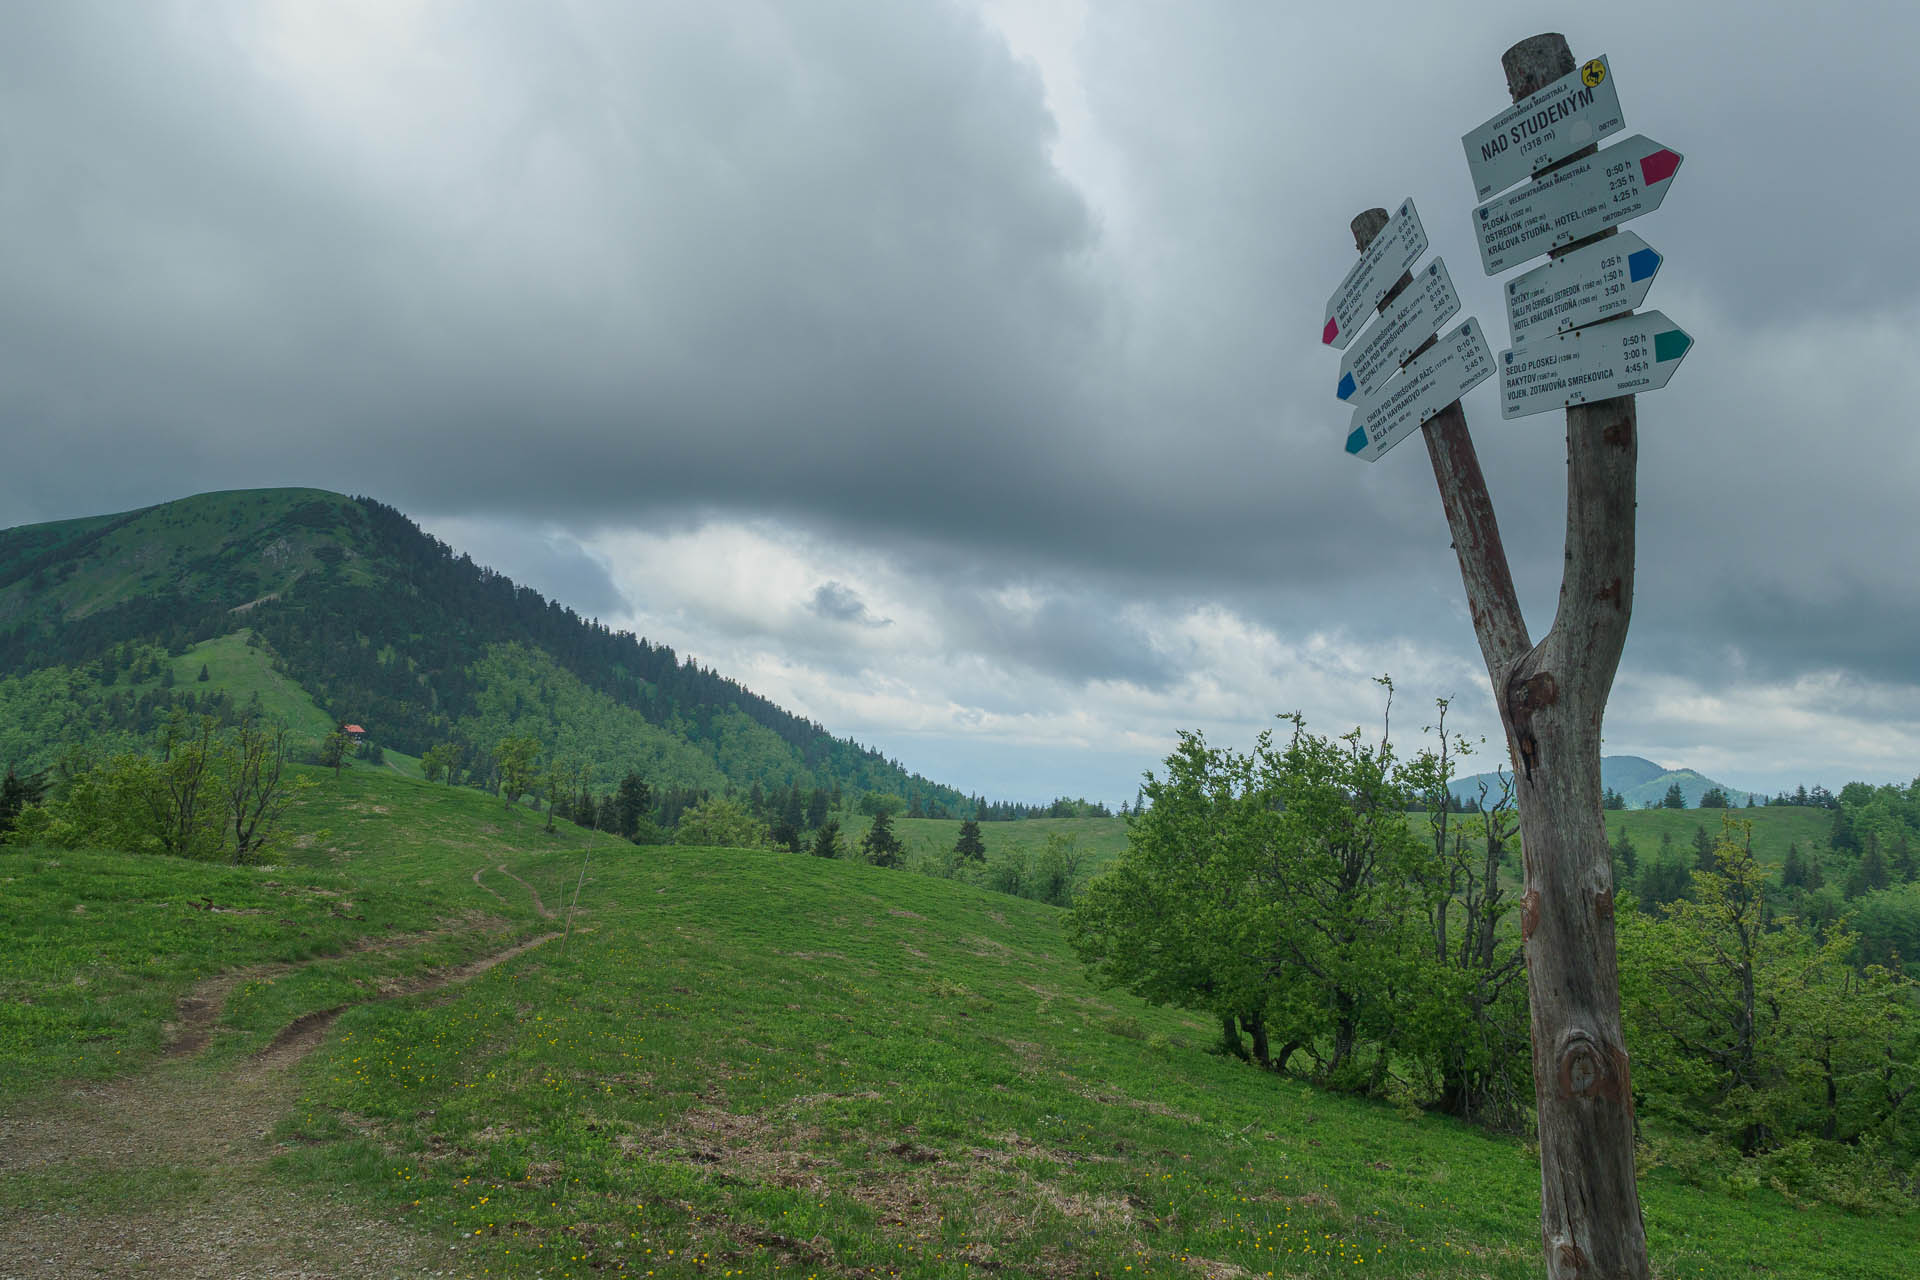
{"points": [[1588, 1071], [1569, 1263]]}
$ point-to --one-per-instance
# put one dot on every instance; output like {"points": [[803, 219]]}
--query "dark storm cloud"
{"points": [[837, 602], [1074, 635], [542, 558], [610, 264]]}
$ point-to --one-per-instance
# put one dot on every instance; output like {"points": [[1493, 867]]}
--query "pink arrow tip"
{"points": [[1331, 332], [1659, 166]]}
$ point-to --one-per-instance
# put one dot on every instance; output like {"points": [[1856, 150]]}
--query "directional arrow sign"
{"points": [[1616, 358], [1415, 316], [1446, 371], [1395, 250], [1579, 108], [1595, 283], [1584, 198]]}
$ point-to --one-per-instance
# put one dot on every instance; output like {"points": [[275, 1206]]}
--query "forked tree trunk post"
{"points": [[1551, 697]]}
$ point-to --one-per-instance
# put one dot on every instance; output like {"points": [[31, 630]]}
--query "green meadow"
{"points": [[745, 1064], [1101, 840], [1098, 840]]}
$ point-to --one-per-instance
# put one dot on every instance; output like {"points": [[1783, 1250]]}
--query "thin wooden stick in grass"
{"points": [[584, 859]]}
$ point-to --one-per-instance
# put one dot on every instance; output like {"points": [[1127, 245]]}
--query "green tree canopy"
{"points": [[1760, 1033], [723, 823], [875, 803], [514, 757], [1284, 892]]}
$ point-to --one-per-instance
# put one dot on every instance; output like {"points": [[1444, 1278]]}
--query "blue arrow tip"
{"points": [[1357, 441], [1642, 263], [1346, 386]]}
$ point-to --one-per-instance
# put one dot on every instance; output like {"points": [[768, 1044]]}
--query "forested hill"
{"points": [[388, 627]]}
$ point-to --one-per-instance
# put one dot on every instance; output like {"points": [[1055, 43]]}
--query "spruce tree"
{"points": [[16, 793], [1704, 858], [1901, 861], [1871, 875], [204, 675], [1842, 837], [826, 842], [970, 847], [634, 801], [1793, 873], [1626, 859], [882, 847]]}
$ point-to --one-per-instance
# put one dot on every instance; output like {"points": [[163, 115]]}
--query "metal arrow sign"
{"points": [[1446, 371], [1571, 203], [1579, 108], [1620, 357], [1390, 256], [1596, 283], [1410, 320]]}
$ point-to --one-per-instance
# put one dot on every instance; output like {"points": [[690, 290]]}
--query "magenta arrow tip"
{"points": [[1332, 331], [1659, 166]]}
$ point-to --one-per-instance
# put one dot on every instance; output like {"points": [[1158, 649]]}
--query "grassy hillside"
{"points": [[1774, 828], [245, 672], [748, 1064]]}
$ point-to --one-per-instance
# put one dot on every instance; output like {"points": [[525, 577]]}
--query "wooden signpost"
{"points": [[1551, 694]]}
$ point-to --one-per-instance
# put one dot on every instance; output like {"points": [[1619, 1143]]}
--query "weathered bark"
{"points": [[1551, 698], [1555, 698]]}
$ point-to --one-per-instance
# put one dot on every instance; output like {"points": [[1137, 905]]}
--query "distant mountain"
{"points": [[383, 626], [1641, 781]]}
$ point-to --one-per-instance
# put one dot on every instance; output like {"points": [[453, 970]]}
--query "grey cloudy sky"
{"points": [[949, 371]]}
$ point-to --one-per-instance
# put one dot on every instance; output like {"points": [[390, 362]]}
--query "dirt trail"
{"points": [[538, 905], [477, 873], [179, 1150]]}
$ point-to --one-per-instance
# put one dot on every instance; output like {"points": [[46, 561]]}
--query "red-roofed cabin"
{"points": [[353, 731]]}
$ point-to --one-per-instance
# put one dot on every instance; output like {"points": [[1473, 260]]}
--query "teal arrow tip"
{"points": [[1670, 345], [1357, 440]]}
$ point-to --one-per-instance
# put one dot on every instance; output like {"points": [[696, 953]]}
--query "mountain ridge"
{"points": [[385, 625], [1641, 781]]}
